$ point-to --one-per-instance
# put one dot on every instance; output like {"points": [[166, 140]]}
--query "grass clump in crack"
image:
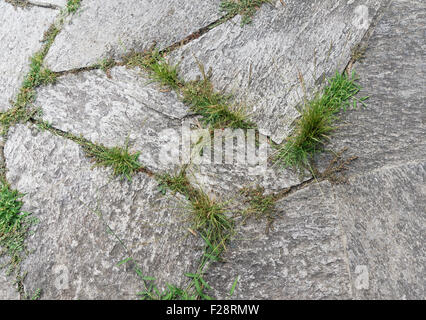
{"points": [[214, 107], [14, 225], [119, 159], [159, 69], [37, 76], [73, 5], [261, 206], [245, 8], [317, 121], [210, 222]]}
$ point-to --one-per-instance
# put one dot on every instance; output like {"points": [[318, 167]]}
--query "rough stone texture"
{"points": [[75, 257], [384, 217], [60, 3], [360, 240], [302, 258], [112, 110], [21, 31], [382, 208], [392, 128], [364, 239], [7, 289], [112, 28], [262, 63]]}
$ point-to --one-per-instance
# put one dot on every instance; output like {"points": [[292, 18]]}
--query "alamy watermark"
{"points": [[221, 146]]}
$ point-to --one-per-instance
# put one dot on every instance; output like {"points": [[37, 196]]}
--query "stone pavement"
{"points": [[362, 239]]}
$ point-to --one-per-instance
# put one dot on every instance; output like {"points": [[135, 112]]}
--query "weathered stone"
{"points": [[90, 221], [263, 63], [301, 258], [7, 289], [359, 240], [21, 32], [392, 128], [111, 28], [112, 110], [379, 214], [383, 214]]}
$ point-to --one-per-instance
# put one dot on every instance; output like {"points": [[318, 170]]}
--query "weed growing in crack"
{"points": [[317, 121], [105, 65], [159, 69], [37, 76], [119, 159], [15, 115], [19, 3], [245, 8], [214, 107], [14, 225], [123, 163], [73, 5], [210, 221], [260, 206]]}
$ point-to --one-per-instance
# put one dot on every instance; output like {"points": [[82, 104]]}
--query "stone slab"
{"points": [[384, 217], [263, 64], [73, 256], [301, 258], [21, 32], [111, 28], [361, 240]]}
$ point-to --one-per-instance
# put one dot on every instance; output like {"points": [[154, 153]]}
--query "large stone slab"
{"points": [[301, 258], [73, 253], [127, 106], [263, 63], [384, 217], [111, 28], [21, 32], [361, 240], [7, 288], [110, 111], [392, 128]]}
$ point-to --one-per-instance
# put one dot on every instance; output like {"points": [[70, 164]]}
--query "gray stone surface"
{"points": [[262, 63], [112, 28], [7, 289], [21, 31], [392, 128], [302, 258], [382, 208], [383, 214], [112, 110], [73, 256], [361, 240]]}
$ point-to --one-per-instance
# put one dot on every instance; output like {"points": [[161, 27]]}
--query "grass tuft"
{"points": [[317, 121], [73, 5], [214, 107], [157, 66], [15, 115], [261, 206], [119, 159], [245, 8], [14, 224], [210, 221]]}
